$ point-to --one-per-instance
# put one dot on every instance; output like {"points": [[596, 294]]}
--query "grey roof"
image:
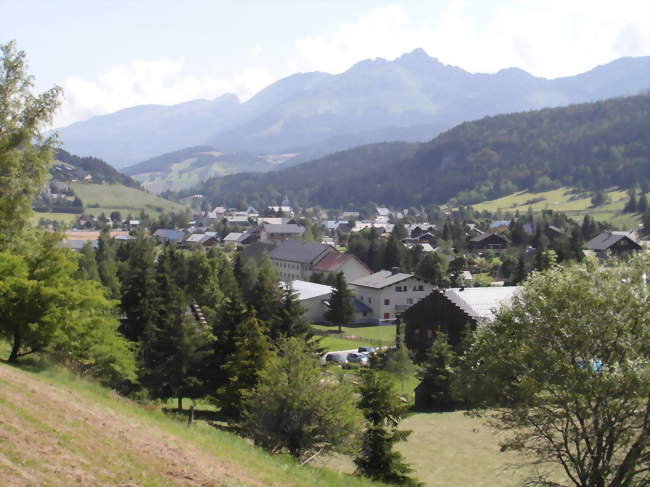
{"points": [[233, 237], [307, 290], [381, 279], [284, 228], [480, 302], [485, 236], [169, 234], [303, 252], [605, 240]]}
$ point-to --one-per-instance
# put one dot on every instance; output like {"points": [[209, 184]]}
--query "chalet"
{"points": [[451, 311], [389, 293], [164, 235], [613, 243], [270, 232], [488, 241]]}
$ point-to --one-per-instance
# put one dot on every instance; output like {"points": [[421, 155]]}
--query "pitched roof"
{"points": [[169, 234], [605, 240], [303, 252], [308, 290], [233, 237], [284, 228], [381, 279], [480, 302], [485, 236], [333, 261]]}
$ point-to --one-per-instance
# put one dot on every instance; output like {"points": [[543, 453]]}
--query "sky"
{"points": [[110, 55]]}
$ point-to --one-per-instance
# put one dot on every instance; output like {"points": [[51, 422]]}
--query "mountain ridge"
{"points": [[305, 110]]}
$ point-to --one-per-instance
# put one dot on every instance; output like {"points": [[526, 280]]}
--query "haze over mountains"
{"points": [[412, 98]]}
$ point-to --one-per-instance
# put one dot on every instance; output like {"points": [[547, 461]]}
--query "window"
{"points": [[409, 300], [415, 288], [417, 331], [387, 316], [420, 287], [370, 300], [386, 302]]}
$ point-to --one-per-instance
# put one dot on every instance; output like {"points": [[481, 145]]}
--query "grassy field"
{"points": [[66, 431], [66, 218], [357, 336], [117, 197], [449, 450], [575, 205]]}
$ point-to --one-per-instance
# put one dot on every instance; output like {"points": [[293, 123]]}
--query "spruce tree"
{"points": [[383, 410], [289, 320], [266, 295], [107, 264], [341, 309], [250, 352], [643, 203], [394, 254], [435, 390], [87, 265]]}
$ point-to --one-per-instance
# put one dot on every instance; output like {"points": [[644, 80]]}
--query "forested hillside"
{"points": [[590, 146], [98, 169]]}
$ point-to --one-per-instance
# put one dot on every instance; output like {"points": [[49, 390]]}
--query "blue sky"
{"points": [[112, 55]]}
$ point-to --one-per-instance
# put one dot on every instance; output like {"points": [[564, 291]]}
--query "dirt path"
{"points": [[52, 436]]}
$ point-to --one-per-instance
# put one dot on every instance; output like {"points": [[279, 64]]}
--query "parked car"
{"points": [[370, 351], [357, 358], [337, 358]]}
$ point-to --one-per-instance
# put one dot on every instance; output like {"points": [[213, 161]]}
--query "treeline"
{"points": [[590, 146]]}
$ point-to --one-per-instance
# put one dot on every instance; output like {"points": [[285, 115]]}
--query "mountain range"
{"points": [[589, 146], [307, 115]]}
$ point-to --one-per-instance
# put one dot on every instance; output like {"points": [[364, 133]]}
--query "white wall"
{"points": [[398, 301]]}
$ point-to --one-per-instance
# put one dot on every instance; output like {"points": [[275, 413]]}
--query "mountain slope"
{"points": [[318, 113], [187, 167], [592, 145], [60, 431]]}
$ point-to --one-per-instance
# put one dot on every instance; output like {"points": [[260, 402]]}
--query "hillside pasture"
{"points": [[106, 198]]}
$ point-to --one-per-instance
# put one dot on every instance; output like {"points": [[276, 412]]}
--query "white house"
{"points": [[312, 298], [389, 293]]}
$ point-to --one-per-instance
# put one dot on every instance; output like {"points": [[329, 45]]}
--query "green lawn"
{"points": [[357, 336], [575, 205], [117, 197], [66, 218]]}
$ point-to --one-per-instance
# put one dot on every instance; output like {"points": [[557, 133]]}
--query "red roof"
{"points": [[333, 261]]}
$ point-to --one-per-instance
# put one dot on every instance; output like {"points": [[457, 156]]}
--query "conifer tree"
{"points": [[140, 299], [341, 310], [251, 350], [87, 265], [394, 254], [435, 390], [107, 265], [383, 410], [266, 295], [643, 203], [289, 320]]}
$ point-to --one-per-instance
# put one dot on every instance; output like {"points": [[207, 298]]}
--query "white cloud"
{"points": [[149, 82], [548, 38]]}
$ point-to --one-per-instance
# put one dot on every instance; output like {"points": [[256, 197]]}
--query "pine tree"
{"points": [[383, 410], [341, 310], [266, 295], [435, 390], [140, 300], [394, 254], [107, 265], [632, 205], [643, 203], [251, 351], [87, 266], [289, 320], [174, 344]]}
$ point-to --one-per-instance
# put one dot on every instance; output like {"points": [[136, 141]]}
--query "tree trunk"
{"points": [[180, 403], [15, 348]]}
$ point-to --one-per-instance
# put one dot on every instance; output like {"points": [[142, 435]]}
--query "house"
{"points": [[284, 210], [164, 235], [488, 241], [284, 231], [389, 293], [315, 301], [451, 311], [615, 243], [349, 264], [499, 225], [240, 238], [207, 239], [294, 259], [312, 298]]}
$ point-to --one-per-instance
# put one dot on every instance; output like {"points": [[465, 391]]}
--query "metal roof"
{"points": [[284, 228], [605, 240], [481, 302], [297, 251], [308, 290], [169, 234], [381, 279]]}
